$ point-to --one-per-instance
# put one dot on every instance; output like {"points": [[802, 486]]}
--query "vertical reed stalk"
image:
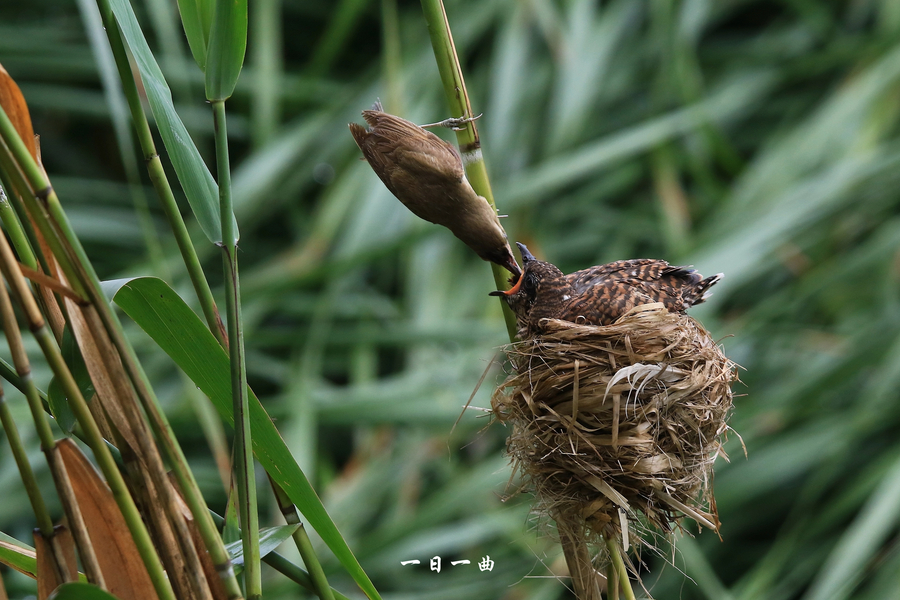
{"points": [[466, 137], [243, 449], [13, 228], [44, 522], [615, 555]]}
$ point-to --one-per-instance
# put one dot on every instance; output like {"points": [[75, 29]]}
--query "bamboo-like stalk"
{"points": [[81, 276], [158, 176], [17, 236], [12, 179], [160, 425], [612, 582], [243, 448], [47, 342], [296, 574], [466, 137], [48, 446], [38, 506], [48, 345], [27, 243], [284, 566]]}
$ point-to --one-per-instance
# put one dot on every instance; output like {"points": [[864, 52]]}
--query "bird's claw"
{"points": [[454, 123]]}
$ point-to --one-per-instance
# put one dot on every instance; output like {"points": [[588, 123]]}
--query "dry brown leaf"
{"points": [[216, 587], [123, 570], [16, 109], [110, 395], [48, 578]]}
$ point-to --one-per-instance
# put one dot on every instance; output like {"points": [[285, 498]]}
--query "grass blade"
{"points": [[196, 181]]}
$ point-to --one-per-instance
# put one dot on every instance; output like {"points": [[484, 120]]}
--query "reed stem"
{"points": [[467, 137], [243, 449]]}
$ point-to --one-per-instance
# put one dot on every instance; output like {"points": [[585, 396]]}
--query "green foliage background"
{"points": [[755, 138]]}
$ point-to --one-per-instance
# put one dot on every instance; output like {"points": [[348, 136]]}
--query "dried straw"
{"points": [[615, 420]]}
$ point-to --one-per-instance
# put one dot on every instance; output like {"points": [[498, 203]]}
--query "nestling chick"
{"points": [[426, 174], [600, 295]]}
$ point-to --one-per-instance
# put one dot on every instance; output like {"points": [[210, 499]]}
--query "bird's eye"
{"points": [[530, 282]]}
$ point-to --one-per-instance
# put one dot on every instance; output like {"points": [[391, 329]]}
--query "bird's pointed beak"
{"points": [[527, 257], [512, 266]]}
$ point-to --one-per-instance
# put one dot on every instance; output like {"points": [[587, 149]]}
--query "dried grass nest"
{"points": [[608, 421]]}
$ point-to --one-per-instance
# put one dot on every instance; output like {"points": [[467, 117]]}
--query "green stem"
{"points": [[160, 425], [16, 232], [158, 176], [467, 137], [90, 16], [8, 372], [106, 462], [612, 582], [48, 443], [243, 449], [615, 554], [15, 184], [44, 521], [304, 545], [295, 573]]}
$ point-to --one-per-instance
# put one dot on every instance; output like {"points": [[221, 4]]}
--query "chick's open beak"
{"points": [[511, 290]]}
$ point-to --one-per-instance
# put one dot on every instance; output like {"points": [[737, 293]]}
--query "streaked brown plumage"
{"points": [[600, 295], [426, 174]]}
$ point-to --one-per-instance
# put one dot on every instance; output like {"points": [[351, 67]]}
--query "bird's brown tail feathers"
{"points": [[699, 292]]}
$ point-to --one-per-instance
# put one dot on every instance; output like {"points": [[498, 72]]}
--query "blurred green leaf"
{"points": [[227, 45], [846, 564], [164, 316]]}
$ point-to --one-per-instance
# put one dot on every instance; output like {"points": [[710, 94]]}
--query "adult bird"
{"points": [[426, 174]]}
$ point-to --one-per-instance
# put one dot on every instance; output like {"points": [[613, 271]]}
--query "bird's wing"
{"points": [[637, 269]]}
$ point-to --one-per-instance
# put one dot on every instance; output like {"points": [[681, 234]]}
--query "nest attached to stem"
{"points": [[608, 421]]}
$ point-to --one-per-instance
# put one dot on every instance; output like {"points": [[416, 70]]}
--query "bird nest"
{"points": [[609, 422]]}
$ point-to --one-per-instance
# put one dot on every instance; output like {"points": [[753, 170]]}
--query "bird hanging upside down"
{"points": [[600, 295], [426, 174]]}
